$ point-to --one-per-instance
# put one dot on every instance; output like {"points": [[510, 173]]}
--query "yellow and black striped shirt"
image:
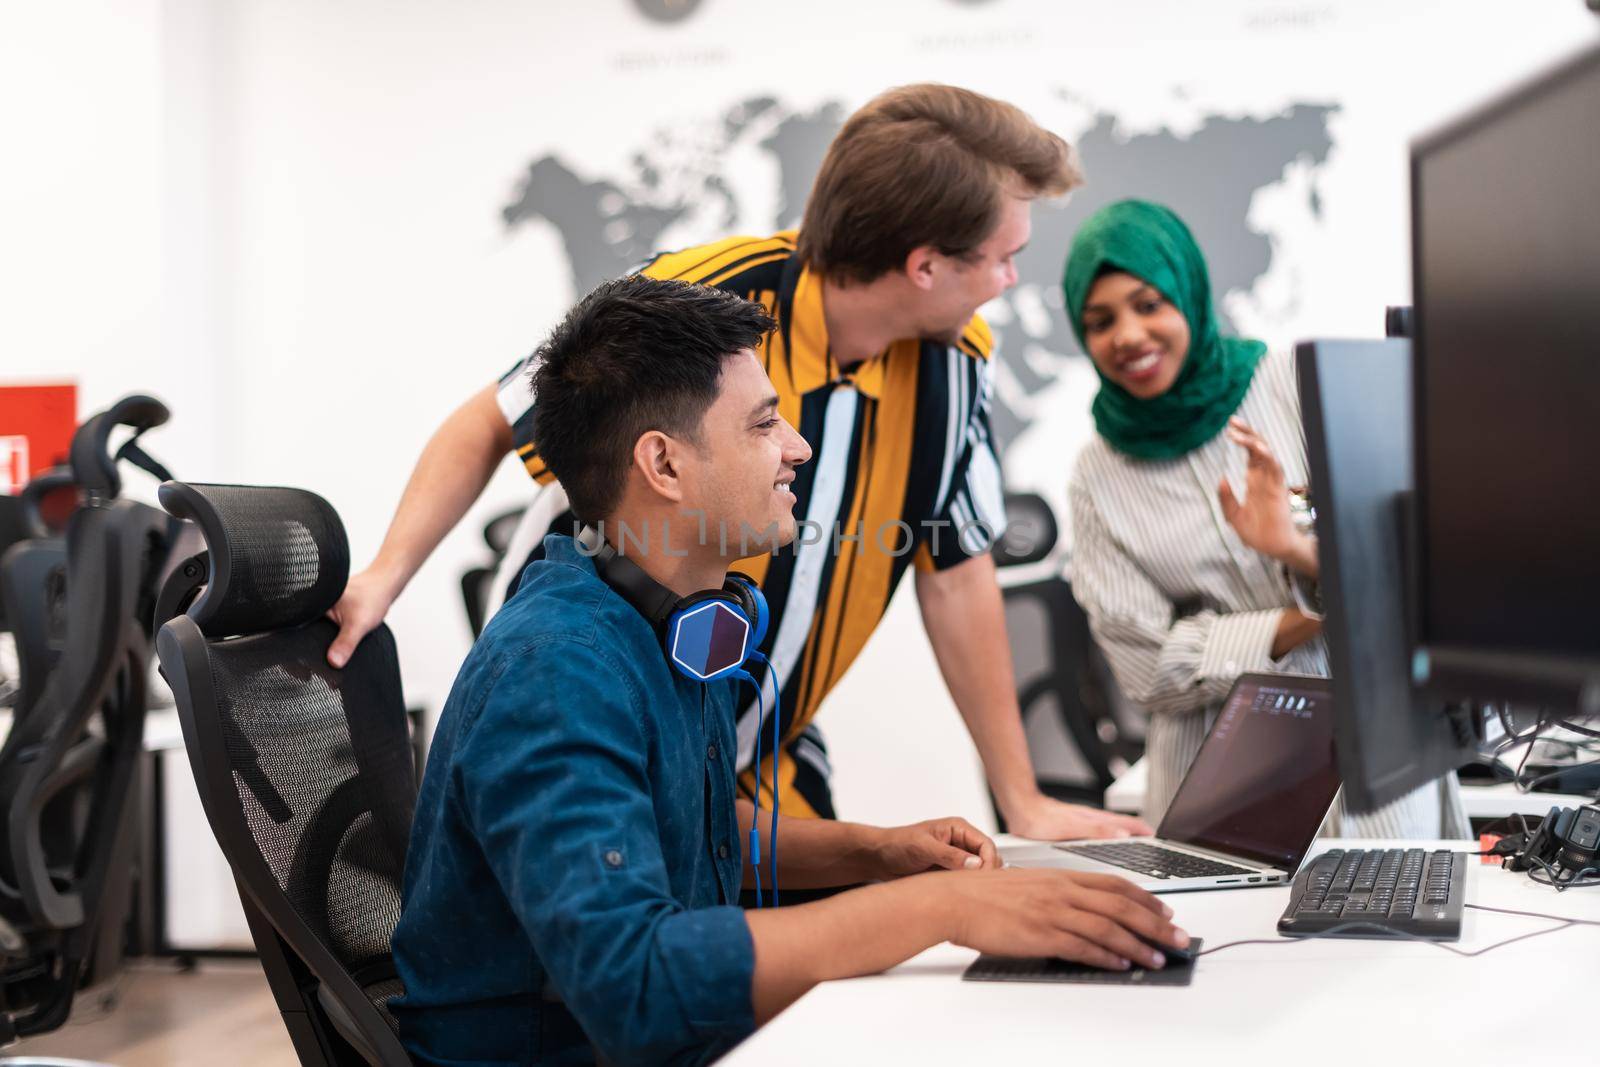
{"points": [[902, 470]]}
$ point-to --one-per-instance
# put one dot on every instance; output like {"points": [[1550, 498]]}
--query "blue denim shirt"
{"points": [[573, 873]]}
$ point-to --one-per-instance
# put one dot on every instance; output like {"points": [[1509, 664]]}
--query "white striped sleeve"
{"points": [[1162, 662], [974, 511], [514, 395], [514, 391]]}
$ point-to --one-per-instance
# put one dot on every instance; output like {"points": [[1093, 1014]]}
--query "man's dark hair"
{"points": [[637, 354]]}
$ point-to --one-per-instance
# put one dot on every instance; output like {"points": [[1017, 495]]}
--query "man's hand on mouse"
{"points": [[1097, 919]]}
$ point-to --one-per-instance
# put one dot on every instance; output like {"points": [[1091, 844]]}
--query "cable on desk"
{"points": [[1391, 933], [1530, 784], [1554, 880], [1531, 737], [1534, 915], [1403, 935], [1575, 728]]}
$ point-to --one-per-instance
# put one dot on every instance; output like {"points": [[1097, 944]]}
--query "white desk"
{"points": [[1126, 794], [1309, 1003]]}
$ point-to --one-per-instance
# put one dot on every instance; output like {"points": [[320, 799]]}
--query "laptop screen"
{"points": [[1262, 781]]}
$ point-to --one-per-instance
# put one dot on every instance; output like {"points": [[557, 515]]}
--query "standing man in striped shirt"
{"points": [[882, 364]]}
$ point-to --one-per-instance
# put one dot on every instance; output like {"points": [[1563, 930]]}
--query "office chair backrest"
{"points": [[516, 538], [476, 581], [1030, 534], [96, 469], [13, 528], [305, 771], [33, 588], [94, 465], [67, 766], [26, 517], [498, 530], [43, 502], [1063, 690]]}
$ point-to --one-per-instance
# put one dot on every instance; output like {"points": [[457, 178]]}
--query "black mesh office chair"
{"points": [[66, 770], [33, 561], [67, 765], [32, 570], [33, 588], [13, 528], [1056, 663], [475, 582], [305, 772]]}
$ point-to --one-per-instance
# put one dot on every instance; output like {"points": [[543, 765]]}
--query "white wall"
{"points": [[283, 217], [82, 205]]}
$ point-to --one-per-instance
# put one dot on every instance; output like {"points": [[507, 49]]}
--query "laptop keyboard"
{"points": [[1153, 860]]}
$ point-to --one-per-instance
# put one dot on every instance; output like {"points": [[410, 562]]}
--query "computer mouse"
{"points": [[1176, 957]]}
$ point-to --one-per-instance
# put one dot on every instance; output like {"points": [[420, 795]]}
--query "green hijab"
{"points": [[1150, 242]]}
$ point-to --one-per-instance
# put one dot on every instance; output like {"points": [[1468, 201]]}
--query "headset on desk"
{"points": [[1562, 852]]}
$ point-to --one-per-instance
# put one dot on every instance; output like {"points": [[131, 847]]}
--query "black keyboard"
{"points": [[1395, 891], [1154, 861]]}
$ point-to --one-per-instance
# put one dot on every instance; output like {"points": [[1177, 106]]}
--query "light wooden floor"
{"points": [[162, 1017]]}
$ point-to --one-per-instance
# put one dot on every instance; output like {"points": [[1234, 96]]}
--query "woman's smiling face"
{"points": [[1136, 336]]}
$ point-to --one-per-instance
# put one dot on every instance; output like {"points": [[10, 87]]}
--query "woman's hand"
{"points": [[1262, 520], [1048, 819], [1294, 629]]}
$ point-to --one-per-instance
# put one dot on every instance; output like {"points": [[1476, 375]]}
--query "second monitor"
{"points": [[1355, 399]]}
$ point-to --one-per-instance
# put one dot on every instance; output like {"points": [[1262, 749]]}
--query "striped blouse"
{"points": [[1181, 607]]}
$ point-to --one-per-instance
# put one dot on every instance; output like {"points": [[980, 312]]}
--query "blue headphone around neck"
{"points": [[706, 636]]}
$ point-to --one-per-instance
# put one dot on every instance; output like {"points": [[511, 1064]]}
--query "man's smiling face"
{"points": [[741, 475]]}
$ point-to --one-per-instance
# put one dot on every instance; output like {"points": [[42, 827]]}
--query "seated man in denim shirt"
{"points": [[572, 885]]}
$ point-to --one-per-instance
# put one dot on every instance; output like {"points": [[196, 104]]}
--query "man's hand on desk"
{"points": [[938, 844], [1089, 918], [1095, 919], [1047, 819]]}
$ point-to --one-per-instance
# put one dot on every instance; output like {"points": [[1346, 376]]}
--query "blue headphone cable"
{"points": [[755, 833], [777, 748]]}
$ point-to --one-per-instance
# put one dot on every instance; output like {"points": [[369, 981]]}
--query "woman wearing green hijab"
{"points": [[1185, 584]]}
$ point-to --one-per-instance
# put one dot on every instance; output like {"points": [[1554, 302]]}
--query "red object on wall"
{"points": [[36, 424]]}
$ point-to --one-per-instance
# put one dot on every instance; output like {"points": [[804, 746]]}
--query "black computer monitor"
{"points": [[1506, 259], [1355, 401]]}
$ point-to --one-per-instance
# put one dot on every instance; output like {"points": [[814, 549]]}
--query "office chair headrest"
{"points": [[278, 556], [93, 467], [33, 495], [1030, 534]]}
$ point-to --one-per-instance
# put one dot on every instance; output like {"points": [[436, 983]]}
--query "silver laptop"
{"points": [[1249, 807]]}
